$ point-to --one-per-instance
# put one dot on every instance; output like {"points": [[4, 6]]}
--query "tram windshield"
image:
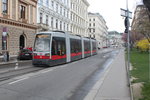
{"points": [[42, 43]]}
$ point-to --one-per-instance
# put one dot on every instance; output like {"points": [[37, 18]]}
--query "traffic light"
{"points": [[126, 23]]}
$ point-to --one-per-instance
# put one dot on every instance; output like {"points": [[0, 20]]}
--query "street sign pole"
{"points": [[127, 14]]}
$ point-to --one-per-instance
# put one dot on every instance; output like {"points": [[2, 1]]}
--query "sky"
{"points": [[110, 10]]}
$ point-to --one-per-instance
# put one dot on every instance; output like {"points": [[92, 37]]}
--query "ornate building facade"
{"points": [[17, 24], [98, 29], [53, 15], [79, 17]]}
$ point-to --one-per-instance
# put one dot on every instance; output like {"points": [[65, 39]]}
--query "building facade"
{"points": [[79, 17], [53, 15], [140, 26], [115, 39], [97, 28], [17, 24], [139, 16]]}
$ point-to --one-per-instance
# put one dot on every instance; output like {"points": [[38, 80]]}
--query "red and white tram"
{"points": [[58, 47]]}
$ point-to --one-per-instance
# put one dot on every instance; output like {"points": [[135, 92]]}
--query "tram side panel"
{"points": [[87, 51], [68, 52], [75, 47]]}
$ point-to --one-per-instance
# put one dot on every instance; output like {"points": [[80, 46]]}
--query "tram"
{"points": [[58, 47]]}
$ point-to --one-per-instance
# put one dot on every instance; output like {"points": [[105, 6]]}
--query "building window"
{"points": [[90, 24], [64, 12], [60, 25], [57, 8], [93, 24], [47, 3], [93, 19], [89, 30], [57, 23], [52, 4], [64, 26], [5, 6], [93, 30], [41, 17], [67, 14], [52, 22], [67, 27], [46, 19], [22, 11], [60, 10], [89, 19]]}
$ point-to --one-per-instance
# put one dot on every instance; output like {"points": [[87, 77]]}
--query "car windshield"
{"points": [[42, 43]]}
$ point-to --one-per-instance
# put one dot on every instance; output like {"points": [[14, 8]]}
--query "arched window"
{"points": [[22, 41]]}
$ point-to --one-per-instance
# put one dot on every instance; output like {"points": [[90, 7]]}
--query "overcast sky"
{"points": [[110, 10]]}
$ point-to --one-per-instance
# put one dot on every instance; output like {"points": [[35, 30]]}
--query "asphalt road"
{"points": [[64, 82]]}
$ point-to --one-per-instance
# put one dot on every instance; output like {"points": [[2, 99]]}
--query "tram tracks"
{"points": [[5, 75]]}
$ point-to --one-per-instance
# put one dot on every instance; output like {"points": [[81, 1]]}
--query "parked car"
{"points": [[25, 54]]}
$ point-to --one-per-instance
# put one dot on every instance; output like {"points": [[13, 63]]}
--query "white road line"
{"points": [[16, 67], [63, 66], [19, 80], [45, 71]]}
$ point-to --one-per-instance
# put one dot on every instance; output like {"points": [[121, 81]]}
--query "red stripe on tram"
{"points": [[55, 57], [76, 54], [41, 57]]}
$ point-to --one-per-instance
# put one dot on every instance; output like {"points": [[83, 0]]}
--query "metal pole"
{"points": [[128, 40], [149, 62]]}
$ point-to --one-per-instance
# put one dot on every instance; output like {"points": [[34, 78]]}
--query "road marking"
{"points": [[45, 71], [63, 66], [16, 67], [19, 80]]}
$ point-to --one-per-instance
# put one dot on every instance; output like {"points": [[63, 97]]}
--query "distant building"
{"points": [[115, 38], [79, 17], [17, 24], [97, 28], [53, 15]]}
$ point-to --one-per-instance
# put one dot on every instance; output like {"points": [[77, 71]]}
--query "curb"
{"points": [[12, 62]]}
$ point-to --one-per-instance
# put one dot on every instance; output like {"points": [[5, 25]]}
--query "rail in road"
{"points": [[8, 74]]}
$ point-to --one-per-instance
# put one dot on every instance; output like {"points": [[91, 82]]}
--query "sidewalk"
{"points": [[114, 83], [13, 59]]}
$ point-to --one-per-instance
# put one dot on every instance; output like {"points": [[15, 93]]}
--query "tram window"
{"points": [[94, 45], [42, 43], [86, 45], [58, 46], [75, 45]]}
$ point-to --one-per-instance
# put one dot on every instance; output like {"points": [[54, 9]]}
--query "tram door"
{"points": [[58, 50]]}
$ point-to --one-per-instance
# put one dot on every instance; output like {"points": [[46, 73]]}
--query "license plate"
{"points": [[27, 54]]}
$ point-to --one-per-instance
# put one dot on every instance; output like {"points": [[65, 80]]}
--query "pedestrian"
{"points": [[5, 56], [7, 53]]}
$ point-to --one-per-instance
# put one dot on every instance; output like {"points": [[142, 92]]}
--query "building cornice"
{"points": [[86, 2], [17, 23]]}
